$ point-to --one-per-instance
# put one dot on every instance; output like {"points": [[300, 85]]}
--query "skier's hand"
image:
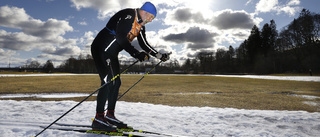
{"points": [[163, 57], [142, 56]]}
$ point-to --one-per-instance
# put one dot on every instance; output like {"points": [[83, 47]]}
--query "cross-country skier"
{"points": [[118, 34]]}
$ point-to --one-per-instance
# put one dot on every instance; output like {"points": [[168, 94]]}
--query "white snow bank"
{"points": [[37, 75], [45, 95], [294, 78], [22, 118]]}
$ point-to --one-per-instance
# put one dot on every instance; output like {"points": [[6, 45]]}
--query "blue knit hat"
{"points": [[149, 7]]}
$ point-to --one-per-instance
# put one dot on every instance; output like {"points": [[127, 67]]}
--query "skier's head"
{"points": [[147, 12], [149, 7]]}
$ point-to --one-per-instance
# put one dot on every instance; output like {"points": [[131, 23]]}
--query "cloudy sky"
{"points": [[39, 30]]}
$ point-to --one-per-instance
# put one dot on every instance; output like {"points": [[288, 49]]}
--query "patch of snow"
{"points": [[306, 96], [23, 118], [312, 103], [37, 75], [56, 95], [292, 78]]}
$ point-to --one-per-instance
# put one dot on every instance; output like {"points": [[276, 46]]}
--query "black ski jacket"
{"points": [[120, 26]]}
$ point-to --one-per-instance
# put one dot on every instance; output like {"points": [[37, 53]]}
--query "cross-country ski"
{"points": [[130, 130], [89, 131]]}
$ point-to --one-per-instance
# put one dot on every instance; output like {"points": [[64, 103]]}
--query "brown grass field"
{"points": [[179, 90]]}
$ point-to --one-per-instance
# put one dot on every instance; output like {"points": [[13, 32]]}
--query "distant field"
{"points": [[201, 91]]}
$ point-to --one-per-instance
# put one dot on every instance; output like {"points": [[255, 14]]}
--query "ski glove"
{"points": [[163, 57], [141, 56]]}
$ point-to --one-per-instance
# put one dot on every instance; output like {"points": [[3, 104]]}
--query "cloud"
{"points": [[241, 35], [193, 40], [35, 34], [13, 61], [199, 46], [7, 53], [266, 5], [87, 39], [22, 42], [17, 18], [83, 23], [7, 58], [185, 29], [186, 25], [228, 19], [193, 35], [185, 15], [63, 51], [12, 16], [51, 29], [248, 2], [225, 19], [294, 2], [290, 8], [105, 8], [18, 41]]}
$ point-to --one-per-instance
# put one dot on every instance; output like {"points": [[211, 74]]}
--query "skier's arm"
{"points": [[144, 43], [146, 46]]}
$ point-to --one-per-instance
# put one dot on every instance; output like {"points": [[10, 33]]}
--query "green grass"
{"points": [[242, 93]]}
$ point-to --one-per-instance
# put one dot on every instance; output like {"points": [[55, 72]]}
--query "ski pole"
{"points": [[86, 98], [139, 80]]}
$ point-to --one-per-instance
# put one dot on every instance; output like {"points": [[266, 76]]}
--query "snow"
{"points": [[23, 118], [45, 95], [293, 78], [38, 75]]}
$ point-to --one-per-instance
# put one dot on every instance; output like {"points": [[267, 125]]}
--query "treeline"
{"points": [[296, 49], [35, 66], [85, 64]]}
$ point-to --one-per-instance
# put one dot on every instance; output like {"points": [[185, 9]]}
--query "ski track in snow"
{"points": [[23, 118]]}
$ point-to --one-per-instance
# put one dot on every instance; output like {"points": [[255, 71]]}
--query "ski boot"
{"points": [[114, 121], [100, 123]]}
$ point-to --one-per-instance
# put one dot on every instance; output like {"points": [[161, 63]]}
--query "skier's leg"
{"points": [[103, 70], [103, 93], [115, 84], [113, 96], [99, 56]]}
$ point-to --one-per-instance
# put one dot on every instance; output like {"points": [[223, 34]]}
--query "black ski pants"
{"points": [[107, 64]]}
